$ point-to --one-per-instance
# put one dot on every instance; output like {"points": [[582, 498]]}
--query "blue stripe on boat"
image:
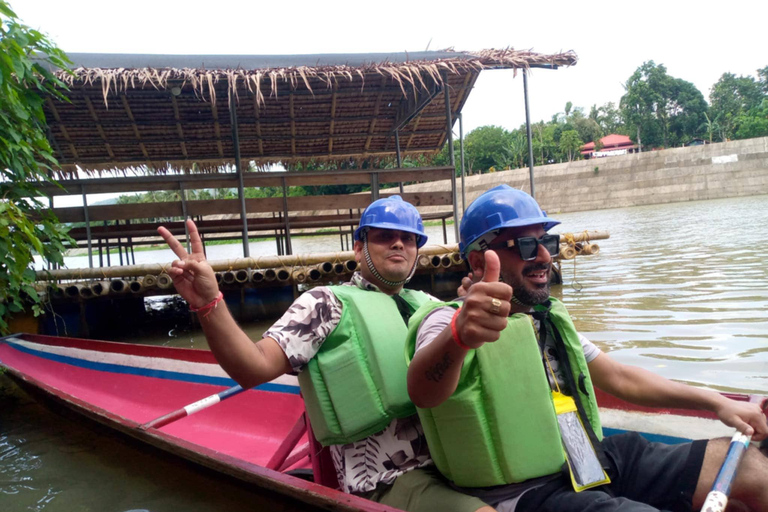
{"points": [[656, 438], [149, 372]]}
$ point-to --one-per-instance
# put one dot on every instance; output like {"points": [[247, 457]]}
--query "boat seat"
{"points": [[286, 456]]}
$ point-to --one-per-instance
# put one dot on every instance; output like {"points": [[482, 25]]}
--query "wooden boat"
{"points": [[259, 436]]}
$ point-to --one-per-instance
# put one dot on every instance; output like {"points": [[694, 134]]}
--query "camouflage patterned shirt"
{"points": [[379, 458]]}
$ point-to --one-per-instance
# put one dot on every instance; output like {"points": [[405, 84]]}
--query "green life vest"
{"points": [[499, 426], [356, 384]]}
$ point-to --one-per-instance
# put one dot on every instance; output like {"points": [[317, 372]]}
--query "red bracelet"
{"points": [[210, 306], [455, 332]]}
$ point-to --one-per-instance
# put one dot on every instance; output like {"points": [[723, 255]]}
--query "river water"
{"points": [[679, 289]]}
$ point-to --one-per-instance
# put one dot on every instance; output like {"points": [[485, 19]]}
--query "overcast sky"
{"points": [[696, 41]]}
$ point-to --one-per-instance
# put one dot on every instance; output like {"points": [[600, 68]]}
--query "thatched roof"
{"points": [[169, 113]]}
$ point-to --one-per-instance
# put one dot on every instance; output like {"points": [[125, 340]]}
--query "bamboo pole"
{"points": [[344, 258], [584, 236], [164, 281], [117, 286], [100, 287]]}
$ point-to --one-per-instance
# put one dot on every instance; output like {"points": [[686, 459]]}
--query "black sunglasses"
{"points": [[528, 246]]}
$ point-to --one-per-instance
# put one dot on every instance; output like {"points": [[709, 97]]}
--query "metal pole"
{"points": [[49, 263], [288, 245], [449, 128], [374, 186], [399, 158], [528, 130], [461, 152], [183, 194], [130, 244], [239, 168], [106, 243], [87, 227]]}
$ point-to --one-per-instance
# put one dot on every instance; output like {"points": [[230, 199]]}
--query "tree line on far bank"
{"points": [[657, 111]]}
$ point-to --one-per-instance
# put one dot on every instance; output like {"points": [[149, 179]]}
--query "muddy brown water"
{"points": [[679, 289]]}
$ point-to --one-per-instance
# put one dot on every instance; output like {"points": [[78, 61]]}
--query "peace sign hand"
{"points": [[192, 275]]}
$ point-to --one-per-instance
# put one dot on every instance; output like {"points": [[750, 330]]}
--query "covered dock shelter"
{"points": [[138, 123]]}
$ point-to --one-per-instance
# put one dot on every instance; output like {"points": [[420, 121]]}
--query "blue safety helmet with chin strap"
{"points": [[496, 209], [392, 213]]}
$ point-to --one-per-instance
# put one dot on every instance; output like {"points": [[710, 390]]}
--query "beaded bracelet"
{"points": [[455, 332], [210, 306]]}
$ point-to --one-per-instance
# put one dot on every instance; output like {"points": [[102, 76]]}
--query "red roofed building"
{"points": [[612, 145]]}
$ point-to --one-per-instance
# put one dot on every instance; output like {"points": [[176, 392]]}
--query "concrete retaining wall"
{"points": [[729, 169]]}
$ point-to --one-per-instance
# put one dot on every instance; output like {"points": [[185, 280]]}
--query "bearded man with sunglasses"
{"points": [[504, 386]]}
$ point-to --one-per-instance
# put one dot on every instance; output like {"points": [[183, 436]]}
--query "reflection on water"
{"points": [[51, 463], [681, 290]]}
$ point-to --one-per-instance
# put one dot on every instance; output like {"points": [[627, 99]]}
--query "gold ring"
{"points": [[495, 305]]}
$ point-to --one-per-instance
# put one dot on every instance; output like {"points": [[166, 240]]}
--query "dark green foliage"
{"points": [[736, 104], [660, 110], [25, 157]]}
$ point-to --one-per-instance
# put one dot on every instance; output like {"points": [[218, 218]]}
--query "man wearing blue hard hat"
{"points": [[504, 386], [346, 343]]}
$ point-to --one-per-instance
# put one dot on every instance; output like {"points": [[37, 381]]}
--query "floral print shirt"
{"points": [[379, 458]]}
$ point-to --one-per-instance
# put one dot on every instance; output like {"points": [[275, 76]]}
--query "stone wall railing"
{"points": [[713, 171]]}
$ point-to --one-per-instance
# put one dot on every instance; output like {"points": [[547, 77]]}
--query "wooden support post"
{"points": [[239, 168], [528, 131], [399, 158], [374, 186], [461, 153], [106, 243], [183, 194], [87, 227], [449, 132], [288, 245]]}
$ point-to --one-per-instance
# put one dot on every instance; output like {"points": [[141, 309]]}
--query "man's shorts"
{"points": [[644, 476], [423, 490]]}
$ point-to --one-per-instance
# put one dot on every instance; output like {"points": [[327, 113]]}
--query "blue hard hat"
{"points": [[498, 208], [392, 213]]}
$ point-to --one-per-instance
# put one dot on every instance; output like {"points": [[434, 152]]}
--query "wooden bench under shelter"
{"points": [[138, 123]]}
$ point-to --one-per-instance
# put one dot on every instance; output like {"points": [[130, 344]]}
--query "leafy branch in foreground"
{"points": [[26, 158]]}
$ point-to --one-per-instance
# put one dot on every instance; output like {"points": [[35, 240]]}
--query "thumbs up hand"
{"points": [[486, 306]]}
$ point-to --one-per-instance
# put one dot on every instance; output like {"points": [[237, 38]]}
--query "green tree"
{"points": [[661, 110], [570, 142], [26, 157], [544, 145], [762, 75], [754, 123], [609, 119], [687, 111], [588, 129], [731, 98], [517, 150], [484, 147]]}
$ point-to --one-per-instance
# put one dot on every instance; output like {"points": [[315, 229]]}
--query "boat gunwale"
{"points": [[291, 487]]}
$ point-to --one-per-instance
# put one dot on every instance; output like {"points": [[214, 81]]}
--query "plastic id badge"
{"points": [[586, 471]]}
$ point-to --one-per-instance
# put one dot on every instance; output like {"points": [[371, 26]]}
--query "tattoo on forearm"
{"points": [[437, 372]]}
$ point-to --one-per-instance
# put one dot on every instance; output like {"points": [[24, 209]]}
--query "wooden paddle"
{"points": [[192, 408], [717, 499]]}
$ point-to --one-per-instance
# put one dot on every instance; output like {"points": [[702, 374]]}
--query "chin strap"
{"points": [[519, 302], [372, 268]]}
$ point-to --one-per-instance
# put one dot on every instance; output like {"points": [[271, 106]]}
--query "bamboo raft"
{"points": [[264, 271]]}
